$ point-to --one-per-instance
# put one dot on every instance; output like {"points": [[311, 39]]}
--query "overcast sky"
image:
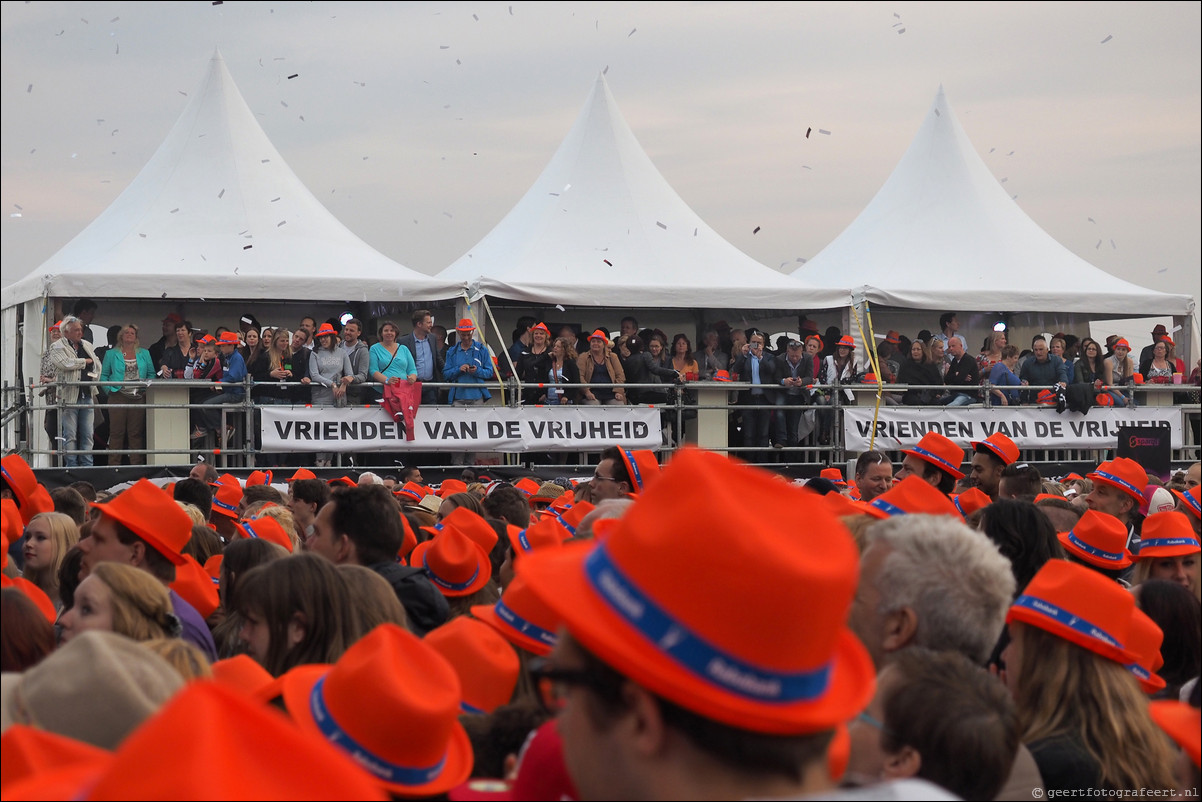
{"points": [[419, 125]]}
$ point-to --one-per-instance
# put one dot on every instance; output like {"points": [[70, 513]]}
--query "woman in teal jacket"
{"points": [[127, 362]]}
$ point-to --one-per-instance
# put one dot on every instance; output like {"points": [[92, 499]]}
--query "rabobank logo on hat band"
{"points": [[1062, 616], [933, 457], [437, 580], [886, 507], [523, 541], [1140, 672], [690, 651], [1121, 482], [956, 501], [250, 530], [378, 766], [1094, 551], [634, 468], [524, 626], [225, 506], [571, 529], [1165, 542]]}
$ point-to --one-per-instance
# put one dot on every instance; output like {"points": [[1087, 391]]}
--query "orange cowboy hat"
{"points": [[412, 491], [563, 502], [237, 754], [231, 338], [846, 341], [893, 337], [633, 599], [1145, 640], [540, 327], [835, 475], [388, 676], [449, 486], [971, 500], [570, 518], [1098, 539], [31, 497], [486, 663], [1081, 606], [1000, 446], [721, 375], [841, 505], [197, 588], [599, 334], [226, 497], [545, 533], [468, 523], [912, 495], [326, 328], [522, 619], [454, 562], [1183, 723], [642, 466], [1167, 534], [258, 478], [213, 566], [1124, 473], [940, 451], [1191, 500], [153, 516], [243, 673], [35, 594], [267, 528], [465, 324], [301, 473], [342, 480], [528, 486]]}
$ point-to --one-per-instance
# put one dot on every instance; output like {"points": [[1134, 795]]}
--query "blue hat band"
{"points": [[1068, 619], [1121, 482], [886, 507], [524, 626], [1094, 551], [938, 460], [691, 652], [1166, 542], [634, 468], [437, 580]]}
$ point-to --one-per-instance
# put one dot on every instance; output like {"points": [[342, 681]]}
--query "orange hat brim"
{"points": [[557, 577], [1081, 554], [488, 615], [298, 686]]}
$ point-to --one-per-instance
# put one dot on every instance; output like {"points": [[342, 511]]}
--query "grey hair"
{"points": [[68, 321], [954, 578]]}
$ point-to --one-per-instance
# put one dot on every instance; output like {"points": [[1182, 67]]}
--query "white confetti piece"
{"points": [[264, 161], [1004, 180], [273, 200], [937, 114], [448, 214], [824, 131], [29, 89], [511, 11], [173, 211], [1107, 39], [560, 308], [477, 19], [18, 206], [661, 225], [1099, 245], [1113, 246], [1090, 219], [114, 19], [282, 103], [444, 47], [901, 30], [1161, 270], [15, 214], [221, 194], [632, 30], [143, 236], [282, 222]]}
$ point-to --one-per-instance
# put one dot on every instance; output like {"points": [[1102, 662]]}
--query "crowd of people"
{"points": [[956, 626]]}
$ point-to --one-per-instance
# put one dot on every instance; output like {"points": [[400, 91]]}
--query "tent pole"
{"points": [[508, 356]]}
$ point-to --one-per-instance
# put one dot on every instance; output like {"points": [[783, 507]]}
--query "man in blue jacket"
{"points": [[468, 365], [232, 377]]}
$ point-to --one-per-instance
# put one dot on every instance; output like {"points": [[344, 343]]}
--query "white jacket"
{"points": [[69, 368]]}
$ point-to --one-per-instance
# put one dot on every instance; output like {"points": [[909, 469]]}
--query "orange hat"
{"points": [[267, 528], [893, 337], [35, 594], [197, 588], [1121, 342], [1000, 446], [721, 375], [1145, 639], [846, 341], [841, 505], [541, 327], [468, 523], [31, 497], [226, 497], [408, 539], [563, 502], [231, 338], [912, 495], [1041, 496], [1167, 534], [541, 773], [522, 618], [237, 754], [633, 599], [1191, 500], [1047, 398], [1183, 723], [56, 326], [454, 562], [1070, 476], [153, 516], [412, 491], [326, 328], [485, 662], [1125, 474], [450, 486], [940, 451], [465, 324], [835, 475], [11, 526], [388, 676], [527, 485], [971, 500], [35, 758], [545, 533], [243, 673], [1099, 539], [259, 478], [342, 480], [213, 566], [642, 466], [301, 473], [570, 518], [599, 334], [1079, 605]]}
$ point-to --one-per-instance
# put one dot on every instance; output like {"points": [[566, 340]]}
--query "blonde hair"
{"points": [[1142, 572], [283, 517], [276, 358], [64, 533], [185, 658], [129, 327], [1065, 690], [193, 512], [141, 604]]}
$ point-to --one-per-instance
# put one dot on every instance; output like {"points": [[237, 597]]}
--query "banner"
{"points": [[1028, 427], [483, 428]]}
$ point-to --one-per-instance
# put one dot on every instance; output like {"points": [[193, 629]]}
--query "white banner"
{"points": [[483, 428], [1028, 427]]}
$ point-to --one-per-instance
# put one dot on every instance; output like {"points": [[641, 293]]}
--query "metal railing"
{"points": [[679, 408]]}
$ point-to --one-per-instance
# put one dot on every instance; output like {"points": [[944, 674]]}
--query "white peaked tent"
{"points": [[601, 227], [942, 209], [216, 213]]}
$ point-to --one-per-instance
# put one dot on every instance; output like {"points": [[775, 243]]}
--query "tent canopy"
{"points": [[601, 227], [943, 212], [216, 213]]}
